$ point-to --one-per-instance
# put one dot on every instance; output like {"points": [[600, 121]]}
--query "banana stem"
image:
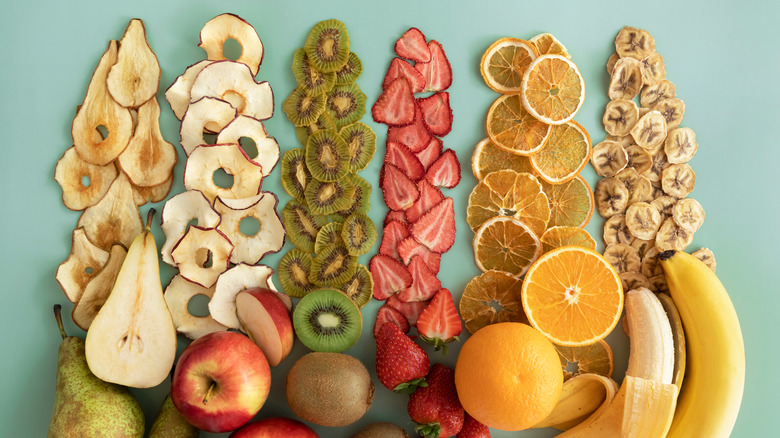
{"points": [[58, 317]]}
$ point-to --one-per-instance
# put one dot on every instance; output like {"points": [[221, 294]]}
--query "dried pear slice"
{"points": [[99, 287], [635, 43], [302, 226], [269, 238], [208, 114], [672, 236], [673, 110], [178, 212], [652, 94], [623, 257], [148, 159], [650, 130], [202, 254], [678, 180], [82, 265], [639, 158], [266, 152], [361, 141], [153, 194], [224, 27], [100, 113], [178, 294], [295, 174], [333, 266], [664, 205], [620, 116], [706, 255], [115, 218], [359, 288], [83, 184], [222, 306], [688, 214], [611, 197], [206, 160], [680, 145], [178, 94], [653, 69], [616, 230], [626, 79], [633, 280], [135, 77], [233, 82], [643, 220], [294, 268], [608, 158]]}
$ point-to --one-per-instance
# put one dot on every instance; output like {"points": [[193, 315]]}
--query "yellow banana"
{"points": [[582, 396], [715, 371]]}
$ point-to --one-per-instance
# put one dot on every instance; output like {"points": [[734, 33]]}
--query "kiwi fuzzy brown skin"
{"points": [[381, 430]]}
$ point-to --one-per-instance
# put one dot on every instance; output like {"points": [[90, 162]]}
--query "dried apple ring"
{"points": [[178, 294], [236, 279], [83, 184], [84, 262], [205, 160], [206, 114], [178, 94], [230, 26], [269, 238], [267, 153], [233, 82], [202, 254], [177, 214]]}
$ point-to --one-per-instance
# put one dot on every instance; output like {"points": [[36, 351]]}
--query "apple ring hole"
{"points": [[231, 49], [223, 179], [209, 138], [249, 146], [249, 226], [102, 131], [198, 305], [89, 270], [204, 258], [85, 181], [236, 99]]}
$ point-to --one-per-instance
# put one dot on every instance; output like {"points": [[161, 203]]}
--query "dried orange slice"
{"points": [[509, 193], [510, 126], [491, 298], [547, 44], [571, 203], [565, 153], [506, 244], [595, 358], [556, 237], [553, 89], [488, 157], [504, 62], [573, 296]]}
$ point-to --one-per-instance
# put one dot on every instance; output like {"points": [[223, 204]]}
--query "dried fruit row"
{"points": [[119, 161], [644, 164], [327, 219]]}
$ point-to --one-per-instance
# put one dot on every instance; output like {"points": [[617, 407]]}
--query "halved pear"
{"points": [[233, 81], [84, 262], [157, 193], [267, 154], [132, 340], [206, 160], [102, 128], [148, 159], [178, 94], [177, 214], [204, 115], [83, 184], [115, 218], [97, 290], [135, 77], [202, 254], [230, 26], [178, 295], [269, 238], [241, 277]]}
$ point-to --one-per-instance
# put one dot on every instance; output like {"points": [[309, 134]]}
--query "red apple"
{"points": [[276, 427], [266, 319], [221, 381]]}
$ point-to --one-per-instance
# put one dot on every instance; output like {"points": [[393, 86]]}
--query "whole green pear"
{"points": [[85, 406], [171, 424]]}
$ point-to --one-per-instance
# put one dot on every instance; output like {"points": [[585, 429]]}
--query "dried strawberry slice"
{"points": [[437, 72], [399, 191], [424, 282], [436, 228], [400, 68], [431, 153], [403, 158], [415, 135], [394, 215], [394, 232], [429, 197], [410, 310], [445, 172], [436, 113], [408, 248], [395, 106], [439, 323], [392, 315], [413, 46], [390, 276]]}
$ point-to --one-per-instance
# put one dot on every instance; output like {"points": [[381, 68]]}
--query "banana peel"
{"points": [[582, 396]]}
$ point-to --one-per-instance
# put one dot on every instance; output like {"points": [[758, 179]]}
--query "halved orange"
{"points": [[553, 89], [565, 153], [595, 358], [510, 126], [491, 298], [571, 203], [488, 157], [504, 62], [547, 44], [573, 296], [505, 244], [556, 237]]}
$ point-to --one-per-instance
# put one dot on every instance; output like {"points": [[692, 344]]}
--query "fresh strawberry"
{"points": [[436, 408], [414, 136], [436, 112], [393, 215], [400, 68], [429, 197], [431, 153], [437, 72], [395, 106], [392, 235], [436, 228], [445, 172], [399, 191], [473, 428], [392, 315], [409, 248], [403, 158], [424, 282], [390, 276], [439, 323], [413, 46], [410, 310], [401, 364]]}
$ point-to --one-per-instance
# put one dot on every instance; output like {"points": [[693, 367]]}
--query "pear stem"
{"points": [[208, 393], [58, 316], [149, 217]]}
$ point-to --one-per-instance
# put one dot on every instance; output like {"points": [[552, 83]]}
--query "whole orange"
{"points": [[508, 376]]}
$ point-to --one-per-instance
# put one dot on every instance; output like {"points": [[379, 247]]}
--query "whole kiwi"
{"points": [[381, 430], [329, 389]]}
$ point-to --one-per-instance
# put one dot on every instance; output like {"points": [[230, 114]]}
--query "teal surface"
{"points": [[722, 56]]}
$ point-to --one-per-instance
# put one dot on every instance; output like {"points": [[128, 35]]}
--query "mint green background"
{"points": [[722, 56]]}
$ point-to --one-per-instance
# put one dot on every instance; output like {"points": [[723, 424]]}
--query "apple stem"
{"points": [[208, 393], [149, 217], [58, 316]]}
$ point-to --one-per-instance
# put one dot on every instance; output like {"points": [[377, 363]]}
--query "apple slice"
{"points": [[148, 159], [205, 160], [202, 254], [84, 262], [178, 94], [83, 184], [115, 218], [97, 290], [264, 317], [207, 114], [157, 193], [267, 154], [178, 295], [178, 212], [241, 277], [135, 77], [240, 203], [269, 238], [234, 82], [230, 26]]}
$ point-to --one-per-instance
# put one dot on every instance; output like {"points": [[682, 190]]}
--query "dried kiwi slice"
{"points": [[324, 121], [361, 199], [295, 174], [360, 287], [361, 141], [329, 234], [351, 70], [332, 266], [358, 233], [309, 78], [294, 268], [302, 225], [327, 156], [327, 320], [346, 104], [329, 197], [303, 109], [328, 45]]}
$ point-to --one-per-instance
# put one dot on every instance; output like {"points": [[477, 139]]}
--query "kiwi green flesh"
{"points": [[324, 198], [361, 199], [327, 320], [308, 77], [332, 266], [346, 104], [329, 234], [327, 156], [327, 46], [351, 70], [359, 287], [361, 141], [358, 234], [303, 109], [294, 268], [302, 225], [295, 173]]}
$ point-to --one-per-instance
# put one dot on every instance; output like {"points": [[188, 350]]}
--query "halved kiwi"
{"points": [[327, 320], [361, 141], [302, 225], [329, 234], [294, 268], [332, 266], [328, 45], [324, 121], [327, 155], [346, 104], [295, 174], [328, 197], [360, 286], [303, 109], [361, 199], [351, 70], [309, 78], [358, 233]]}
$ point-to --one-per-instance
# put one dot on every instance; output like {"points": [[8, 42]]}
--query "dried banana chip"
{"points": [[673, 110], [608, 158], [639, 158], [650, 130], [620, 116], [652, 94], [642, 246], [689, 214], [680, 145], [643, 220], [623, 140], [659, 164], [678, 180], [611, 63], [672, 236], [616, 231], [634, 43], [664, 205], [633, 280], [626, 79], [639, 188], [653, 69], [623, 257], [706, 256], [611, 197], [658, 284], [651, 266]]}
